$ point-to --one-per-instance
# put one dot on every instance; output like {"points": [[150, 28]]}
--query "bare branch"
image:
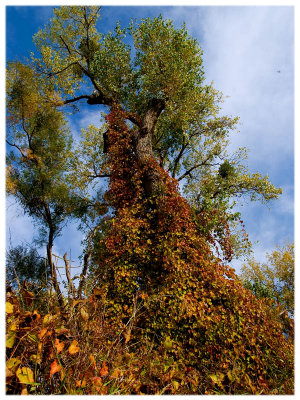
{"points": [[188, 172], [180, 154]]}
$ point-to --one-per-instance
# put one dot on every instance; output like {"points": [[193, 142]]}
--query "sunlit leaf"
{"points": [[55, 367], [9, 308], [73, 349], [25, 375]]}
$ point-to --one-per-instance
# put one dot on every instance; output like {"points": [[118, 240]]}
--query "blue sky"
{"points": [[243, 48]]}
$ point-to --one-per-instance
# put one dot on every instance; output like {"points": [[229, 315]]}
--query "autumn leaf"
{"points": [[116, 373], [42, 333], [13, 363], [59, 346], [55, 367], [10, 339], [25, 375], [104, 369], [9, 374], [9, 308], [81, 383], [93, 361], [73, 349], [48, 318]]}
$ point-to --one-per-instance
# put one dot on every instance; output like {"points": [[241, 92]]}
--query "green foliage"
{"points": [[40, 147], [27, 264], [273, 279]]}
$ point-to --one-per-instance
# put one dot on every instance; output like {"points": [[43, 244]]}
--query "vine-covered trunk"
{"points": [[153, 260]]}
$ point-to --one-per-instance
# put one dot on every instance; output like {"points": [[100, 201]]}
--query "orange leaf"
{"points": [[55, 367], [104, 369], [73, 349], [59, 346], [92, 360], [42, 333], [81, 383]]}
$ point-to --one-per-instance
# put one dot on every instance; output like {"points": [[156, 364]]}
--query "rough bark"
{"points": [[143, 145]]}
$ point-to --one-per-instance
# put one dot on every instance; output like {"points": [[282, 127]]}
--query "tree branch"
{"points": [[177, 159], [194, 167], [74, 99]]}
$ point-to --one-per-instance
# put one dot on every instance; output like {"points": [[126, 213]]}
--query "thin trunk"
{"points": [[86, 261], [48, 219], [71, 287], [54, 276]]}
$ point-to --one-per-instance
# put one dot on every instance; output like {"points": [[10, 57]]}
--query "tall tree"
{"points": [[157, 275], [40, 144], [174, 116]]}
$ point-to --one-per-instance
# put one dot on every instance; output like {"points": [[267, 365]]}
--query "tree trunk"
{"points": [[53, 270], [86, 260], [143, 146], [71, 287]]}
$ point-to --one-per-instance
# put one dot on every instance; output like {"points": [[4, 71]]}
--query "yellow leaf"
{"points": [[73, 349], [168, 343], [10, 339], [175, 385], [24, 391], [25, 375], [13, 363], [9, 308], [80, 383]]}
